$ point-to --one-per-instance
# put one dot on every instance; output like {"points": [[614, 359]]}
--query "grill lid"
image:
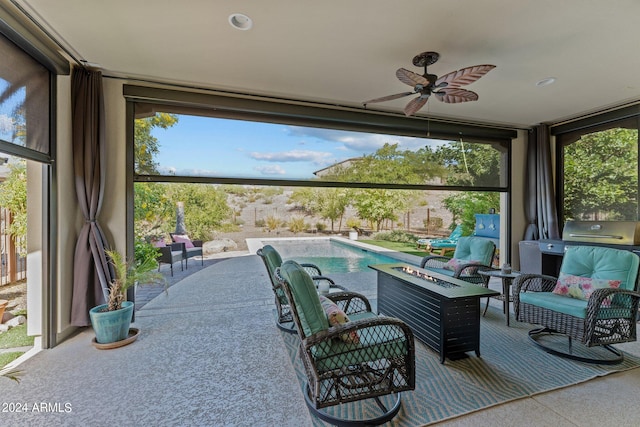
{"points": [[604, 232]]}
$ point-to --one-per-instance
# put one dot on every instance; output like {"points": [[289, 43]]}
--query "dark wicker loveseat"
{"points": [[593, 301]]}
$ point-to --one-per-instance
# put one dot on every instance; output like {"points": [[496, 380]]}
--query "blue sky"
{"points": [[236, 148]]}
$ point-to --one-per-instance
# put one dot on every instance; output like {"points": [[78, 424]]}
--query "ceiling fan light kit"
{"points": [[446, 88]]}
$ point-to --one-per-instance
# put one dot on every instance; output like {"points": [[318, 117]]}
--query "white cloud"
{"points": [[6, 124], [360, 142], [317, 157], [270, 170]]}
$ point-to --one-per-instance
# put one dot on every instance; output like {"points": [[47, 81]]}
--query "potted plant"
{"points": [[111, 321]]}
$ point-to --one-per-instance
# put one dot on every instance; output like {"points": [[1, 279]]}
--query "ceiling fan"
{"points": [[446, 88]]}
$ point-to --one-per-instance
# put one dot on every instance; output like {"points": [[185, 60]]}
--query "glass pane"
{"points": [[187, 145], [601, 176], [24, 99]]}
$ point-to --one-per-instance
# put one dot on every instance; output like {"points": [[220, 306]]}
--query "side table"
{"points": [[507, 279]]}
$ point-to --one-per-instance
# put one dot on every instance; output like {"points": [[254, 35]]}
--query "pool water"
{"points": [[331, 256]]}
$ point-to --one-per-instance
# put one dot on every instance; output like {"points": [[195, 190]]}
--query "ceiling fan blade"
{"points": [[410, 78], [415, 104], [388, 98], [455, 95], [464, 76]]}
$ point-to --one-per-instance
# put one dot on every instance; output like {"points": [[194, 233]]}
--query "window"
{"points": [[24, 99], [168, 144], [599, 172]]}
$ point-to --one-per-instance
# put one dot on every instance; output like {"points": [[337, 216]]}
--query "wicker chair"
{"points": [[190, 248], [170, 254], [472, 254], [367, 357], [606, 316], [272, 260]]}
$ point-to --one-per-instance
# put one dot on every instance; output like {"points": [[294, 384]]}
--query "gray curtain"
{"points": [[540, 202], [91, 274]]}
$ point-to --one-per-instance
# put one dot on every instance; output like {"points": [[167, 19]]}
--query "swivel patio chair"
{"points": [[472, 254], [350, 354], [272, 260], [190, 248], [594, 301]]}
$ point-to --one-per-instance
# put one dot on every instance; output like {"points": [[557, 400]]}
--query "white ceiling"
{"points": [[345, 52]]}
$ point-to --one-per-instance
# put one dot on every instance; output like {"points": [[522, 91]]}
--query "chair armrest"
{"points": [[350, 302], [434, 261], [530, 283], [534, 283], [177, 246], [197, 243], [597, 300], [312, 269], [383, 327], [319, 279]]}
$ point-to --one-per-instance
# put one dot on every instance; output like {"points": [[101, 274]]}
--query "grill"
{"points": [[612, 234]]}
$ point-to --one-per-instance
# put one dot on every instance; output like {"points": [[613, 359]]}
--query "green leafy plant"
{"points": [[126, 274]]}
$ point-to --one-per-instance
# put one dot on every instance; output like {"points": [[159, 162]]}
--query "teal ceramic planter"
{"points": [[111, 326]]}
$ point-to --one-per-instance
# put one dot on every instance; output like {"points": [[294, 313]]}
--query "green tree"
{"points": [[328, 203], [470, 163], [601, 176], [146, 147], [13, 195], [205, 208], [152, 208], [464, 206]]}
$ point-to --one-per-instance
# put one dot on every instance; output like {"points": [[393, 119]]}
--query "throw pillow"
{"points": [[338, 317], [183, 238], [582, 287], [454, 263]]}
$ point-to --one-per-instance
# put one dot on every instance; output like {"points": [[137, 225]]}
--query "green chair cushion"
{"points": [[476, 249], [310, 311], [549, 300], [377, 342], [602, 263]]}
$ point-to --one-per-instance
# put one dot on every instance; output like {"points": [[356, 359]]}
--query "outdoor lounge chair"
{"points": [[190, 248], [169, 255], [272, 260], [593, 301], [471, 254], [443, 245], [349, 353]]}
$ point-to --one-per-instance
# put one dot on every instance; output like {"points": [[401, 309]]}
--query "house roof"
{"points": [[346, 52]]}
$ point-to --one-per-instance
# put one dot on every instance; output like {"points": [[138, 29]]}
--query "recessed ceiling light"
{"points": [[240, 21], [546, 82]]}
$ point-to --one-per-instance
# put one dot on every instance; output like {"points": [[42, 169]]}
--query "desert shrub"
{"points": [[272, 223], [296, 224], [353, 222], [260, 223], [397, 236], [320, 226]]}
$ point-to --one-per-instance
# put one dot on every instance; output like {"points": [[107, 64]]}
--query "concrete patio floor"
{"points": [[209, 354]]}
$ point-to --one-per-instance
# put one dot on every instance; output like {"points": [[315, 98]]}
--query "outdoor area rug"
{"points": [[510, 367]]}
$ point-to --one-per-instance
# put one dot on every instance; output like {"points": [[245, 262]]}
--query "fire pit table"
{"points": [[442, 311]]}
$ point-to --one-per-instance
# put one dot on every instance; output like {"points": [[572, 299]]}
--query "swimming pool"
{"points": [[330, 255]]}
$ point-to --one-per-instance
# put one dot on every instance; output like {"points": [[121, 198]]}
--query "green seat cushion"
{"points": [[549, 300], [377, 342], [312, 316]]}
